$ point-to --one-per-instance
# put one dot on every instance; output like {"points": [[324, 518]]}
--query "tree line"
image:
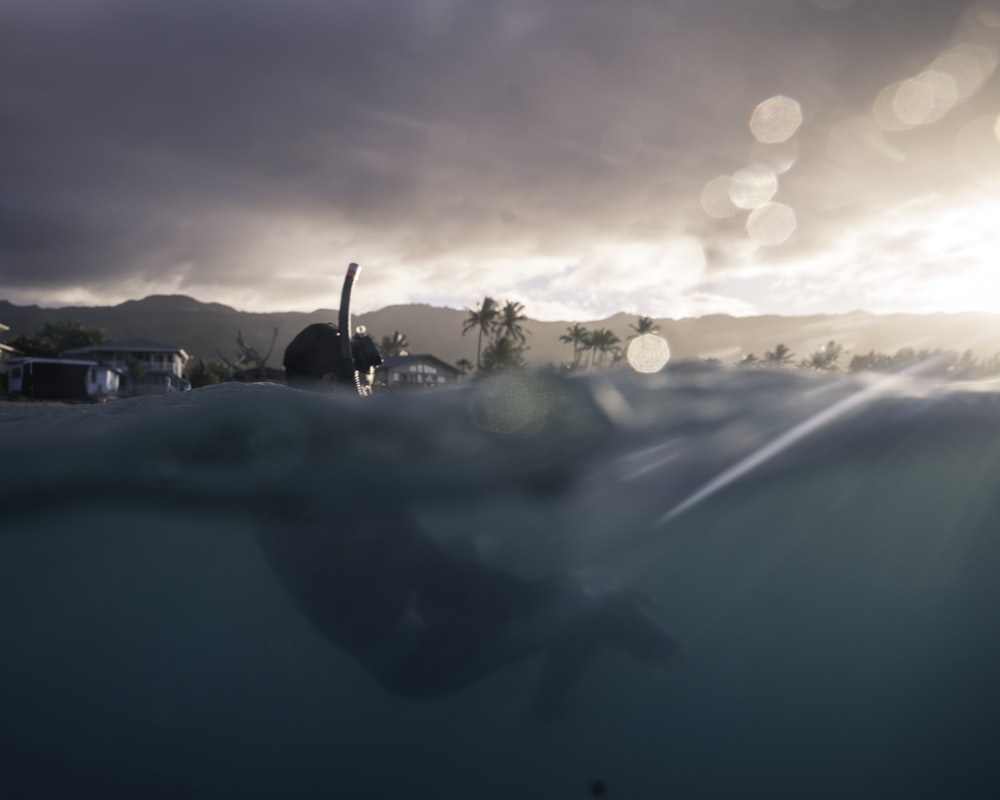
{"points": [[937, 363], [501, 344]]}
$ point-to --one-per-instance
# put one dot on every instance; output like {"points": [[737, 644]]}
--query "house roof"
{"points": [[401, 361], [134, 344], [76, 362]]}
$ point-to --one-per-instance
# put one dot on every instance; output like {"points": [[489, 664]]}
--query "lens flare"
{"points": [[771, 224], [776, 119], [648, 353], [969, 66], [925, 98], [753, 186], [953, 77]]}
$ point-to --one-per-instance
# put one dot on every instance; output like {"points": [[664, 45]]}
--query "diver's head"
{"points": [[314, 360]]}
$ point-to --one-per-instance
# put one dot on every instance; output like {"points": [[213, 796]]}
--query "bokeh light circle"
{"points": [[753, 186], [925, 98], [648, 353], [776, 119], [771, 224]]}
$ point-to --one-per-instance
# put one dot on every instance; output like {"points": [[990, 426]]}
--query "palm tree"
{"points": [[825, 358], [643, 325], [502, 355], [395, 345], [575, 335], [779, 356], [509, 322], [482, 319], [464, 365], [602, 342]]}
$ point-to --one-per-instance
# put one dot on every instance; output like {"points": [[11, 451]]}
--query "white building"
{"points": [[146, 367], [419, 370]]}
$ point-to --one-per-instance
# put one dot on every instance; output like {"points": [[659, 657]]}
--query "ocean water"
{"points": [[826, 550]]}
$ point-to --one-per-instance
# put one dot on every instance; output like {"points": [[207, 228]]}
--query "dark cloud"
{"points": [[215, 142]]}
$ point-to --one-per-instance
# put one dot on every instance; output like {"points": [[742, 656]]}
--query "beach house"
{"points": [[413, 371], [145, 366]]}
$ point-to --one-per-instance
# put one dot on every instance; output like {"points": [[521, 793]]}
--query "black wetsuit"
{"points": [[427, 623]]}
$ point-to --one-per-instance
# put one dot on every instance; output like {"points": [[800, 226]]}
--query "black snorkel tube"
{"points": [[344, 322]]}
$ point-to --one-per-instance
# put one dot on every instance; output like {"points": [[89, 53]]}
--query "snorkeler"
{"points": [[324, 355], [425, 622]]}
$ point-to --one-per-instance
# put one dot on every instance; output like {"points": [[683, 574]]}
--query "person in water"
{"points": [[424, 621], [427, 623], [314, 359]]}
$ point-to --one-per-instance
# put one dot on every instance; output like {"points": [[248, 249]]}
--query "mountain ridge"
{"points": [[205, 330]]}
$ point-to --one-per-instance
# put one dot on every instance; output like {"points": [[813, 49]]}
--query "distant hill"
{"points": [[204, 329]]}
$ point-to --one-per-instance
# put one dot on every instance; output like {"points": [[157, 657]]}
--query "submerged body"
{"points": [[427, 623], [836, 603]]}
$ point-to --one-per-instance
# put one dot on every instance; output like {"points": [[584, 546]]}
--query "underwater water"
{"points": [[825, 550]]}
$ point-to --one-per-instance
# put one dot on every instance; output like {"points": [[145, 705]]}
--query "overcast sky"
{"points": [[664, 157]]}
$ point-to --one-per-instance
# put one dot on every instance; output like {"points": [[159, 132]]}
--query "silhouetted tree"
{"points": [[601, 343], [56, 337], [642, 326], [509, 322], [482, 319], [965, 367], [248, 359], [207, 372], [395, 345], [871, 362], [779, 356], [503, 354], [576, 335], [825, 358]]}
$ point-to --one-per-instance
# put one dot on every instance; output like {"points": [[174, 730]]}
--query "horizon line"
{"points": [[853, 312]]}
